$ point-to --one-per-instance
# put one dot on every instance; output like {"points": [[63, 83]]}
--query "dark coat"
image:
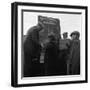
{"points": [[64, 47], [31, 50], [75, 57], [51, 58]]}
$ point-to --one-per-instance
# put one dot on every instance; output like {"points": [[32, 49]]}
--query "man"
{"points": [[75, 53], [64, 51], [32, 51], [51, 56]]}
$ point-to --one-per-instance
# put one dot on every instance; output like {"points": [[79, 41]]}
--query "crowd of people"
{"points": [[62, 58]]}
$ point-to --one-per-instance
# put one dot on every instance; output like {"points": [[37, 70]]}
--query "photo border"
{"points": [[14, 42]]}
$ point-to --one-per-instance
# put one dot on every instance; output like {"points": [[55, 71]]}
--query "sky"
{"points": [[68, 22]]}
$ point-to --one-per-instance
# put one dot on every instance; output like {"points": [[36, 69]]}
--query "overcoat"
{"points": [[31, 50]]}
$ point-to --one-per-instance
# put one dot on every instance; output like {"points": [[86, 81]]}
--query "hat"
{"points": [[75, 33]]}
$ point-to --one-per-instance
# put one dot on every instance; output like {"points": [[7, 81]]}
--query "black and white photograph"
{"points": [[52, 46], [49, 44]]}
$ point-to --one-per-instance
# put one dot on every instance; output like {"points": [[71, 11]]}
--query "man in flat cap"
{"points": [[75, 35], [64, 51], [75, 53]]}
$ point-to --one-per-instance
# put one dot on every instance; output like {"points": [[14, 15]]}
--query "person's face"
{"points": [[65, 36], [73, 37]]}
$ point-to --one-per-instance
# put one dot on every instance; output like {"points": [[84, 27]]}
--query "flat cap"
{"points": [[75, 33]]}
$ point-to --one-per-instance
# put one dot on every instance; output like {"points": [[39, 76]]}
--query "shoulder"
{"points": [[31, 30], [76, 42]]}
